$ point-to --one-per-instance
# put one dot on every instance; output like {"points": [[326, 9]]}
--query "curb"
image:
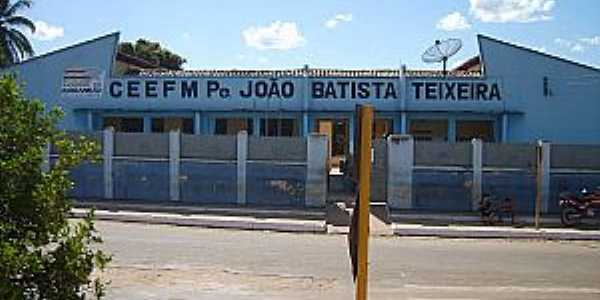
{"points": [[209, 221], [494, 232]]}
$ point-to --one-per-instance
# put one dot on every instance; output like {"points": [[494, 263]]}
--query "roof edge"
{"points": [[483, 36], [115, 34]]}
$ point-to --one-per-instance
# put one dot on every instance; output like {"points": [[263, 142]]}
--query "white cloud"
{"points": [[592, 41], [337, 19], [502, 11], [47, 32], [452, 22], [577, 48], [276, 36], [573, 46], [186, 36]]}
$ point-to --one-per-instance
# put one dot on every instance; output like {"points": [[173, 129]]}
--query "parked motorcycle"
{"points": [[577, 206]]}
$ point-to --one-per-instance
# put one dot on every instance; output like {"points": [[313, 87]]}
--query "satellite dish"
{"points": [[441, 51]]}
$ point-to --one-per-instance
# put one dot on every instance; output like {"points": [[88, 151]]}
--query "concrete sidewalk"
{"points": [[205, 220], [320, 226]]}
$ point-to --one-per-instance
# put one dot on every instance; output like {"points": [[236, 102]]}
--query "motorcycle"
{"points": [[577, 206], [493, 211]]}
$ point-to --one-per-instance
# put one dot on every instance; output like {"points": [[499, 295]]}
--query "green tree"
{"points": [[43, 255], [14, 45], [153, 52]]}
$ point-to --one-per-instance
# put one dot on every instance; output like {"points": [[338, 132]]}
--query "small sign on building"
{"points": [[82, 83]]}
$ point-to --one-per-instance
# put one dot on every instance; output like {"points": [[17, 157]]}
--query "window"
{"points": [[429, 130], [124, 124], [185, 125], [279, 127], [231, 126], [468, 130]]}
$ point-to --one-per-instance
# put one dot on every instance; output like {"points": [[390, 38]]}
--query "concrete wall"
{"points": [[440, 179], [142, 144], [218, 147], [206, 169], [442, 154], [277, 148]]}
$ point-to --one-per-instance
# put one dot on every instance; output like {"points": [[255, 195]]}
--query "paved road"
{"points": [[167, 262]]}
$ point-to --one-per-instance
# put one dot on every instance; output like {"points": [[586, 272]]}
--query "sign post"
{"points": [[359, 231]]}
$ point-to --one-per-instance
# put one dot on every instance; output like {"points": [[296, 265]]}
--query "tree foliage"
{"points": [[14, 45], [43, 255], [153, 52]]}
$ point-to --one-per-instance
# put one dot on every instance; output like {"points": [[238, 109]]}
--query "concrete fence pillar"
{"points": [[316, 170], [46, 159], [108, 147], [174, 156], [400, 171], [476, 187], [545, 173], [242, 156]]}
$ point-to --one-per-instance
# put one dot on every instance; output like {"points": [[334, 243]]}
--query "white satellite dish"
{"points": [[441, 51]]}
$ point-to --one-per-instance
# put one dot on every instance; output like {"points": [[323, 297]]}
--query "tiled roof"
{"points": [[309, 72]]}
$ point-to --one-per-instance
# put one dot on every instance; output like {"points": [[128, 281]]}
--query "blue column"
{"points": [[452, 129], [197, 122], [504, 127], [305, 128], [403, 123], [257, 127], [397, 124], [147, 124]]}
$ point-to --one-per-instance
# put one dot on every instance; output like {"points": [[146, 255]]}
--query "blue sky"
{"points": [[322, 33]]}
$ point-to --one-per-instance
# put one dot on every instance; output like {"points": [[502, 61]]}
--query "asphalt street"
{"points": [[170, 262]]}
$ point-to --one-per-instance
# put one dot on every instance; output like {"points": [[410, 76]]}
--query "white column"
{"points": [[242, 155], [403, 123], [174, 154], [476, 188], [545, 176], [316, 170], [108, 148], [400, 171]]}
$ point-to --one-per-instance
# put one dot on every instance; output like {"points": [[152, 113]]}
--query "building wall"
{"points": [[570, 113]]}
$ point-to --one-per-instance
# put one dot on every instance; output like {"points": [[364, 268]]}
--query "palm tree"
{"points": [[14, 45]]}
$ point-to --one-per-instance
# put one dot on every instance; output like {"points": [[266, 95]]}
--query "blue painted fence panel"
{"points": [[88, 179], [209, 182], [275, 185], [442, 190], [141, 180]]}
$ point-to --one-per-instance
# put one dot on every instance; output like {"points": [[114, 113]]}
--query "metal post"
{"points": [[366, 124], [538, 194]]}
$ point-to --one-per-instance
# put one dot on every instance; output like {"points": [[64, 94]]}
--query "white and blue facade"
{"points": [[522, 95]]}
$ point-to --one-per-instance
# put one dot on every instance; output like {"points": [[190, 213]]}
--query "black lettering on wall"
{"points": [[417, 87], [317, 90], [168, 86], [150, 89], [133, 88], [116, 89], [189, 89]]}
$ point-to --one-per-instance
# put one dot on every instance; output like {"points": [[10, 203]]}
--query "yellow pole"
{"points": [[366, 124]]}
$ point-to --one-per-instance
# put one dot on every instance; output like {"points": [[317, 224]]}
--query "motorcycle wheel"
{"points": [[569, 217]]}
